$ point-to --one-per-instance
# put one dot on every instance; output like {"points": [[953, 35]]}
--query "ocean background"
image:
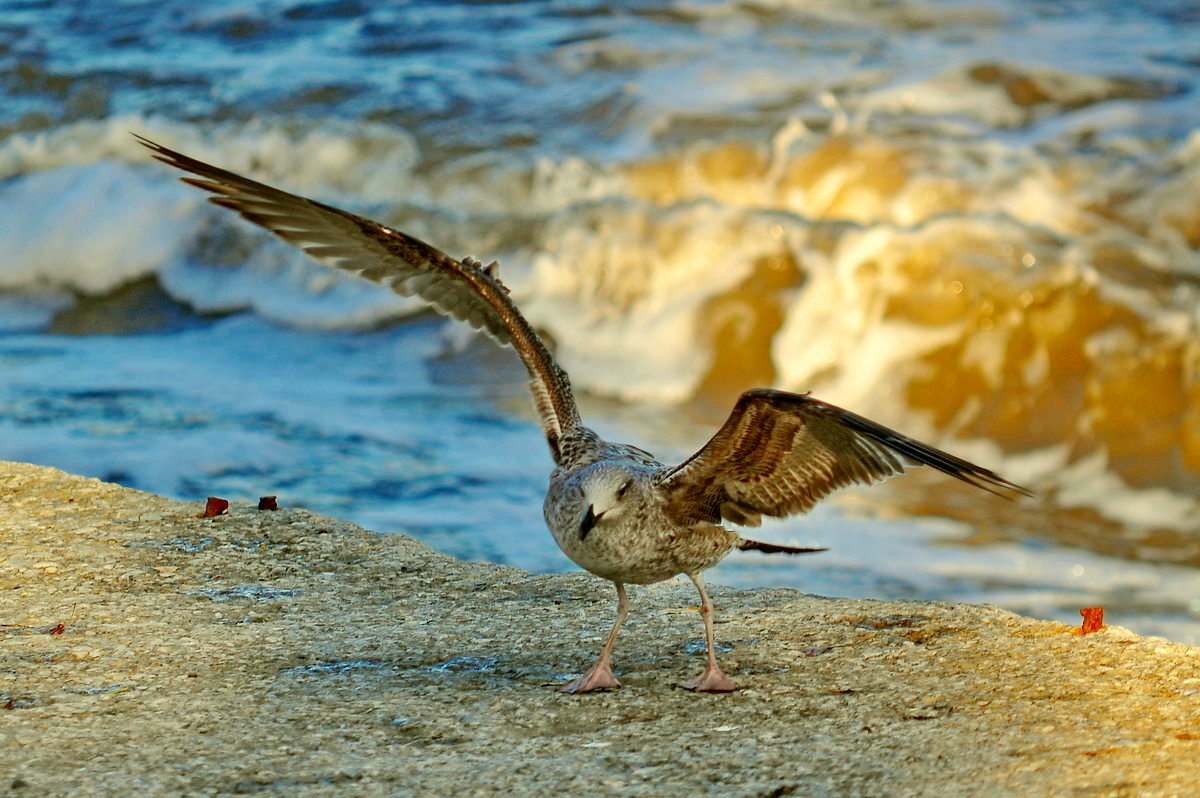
{"points": [[975, 222]]}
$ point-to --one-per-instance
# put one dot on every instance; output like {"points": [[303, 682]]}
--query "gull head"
{"points": [[608, 489]]}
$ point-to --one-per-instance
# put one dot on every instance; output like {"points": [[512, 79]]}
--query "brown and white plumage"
{"points": [[780, 453], [613, 508]]}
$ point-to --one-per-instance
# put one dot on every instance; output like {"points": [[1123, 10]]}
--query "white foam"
{"points": [[622, 308], [364, 161], [835, 337], [88, 228], [88, 209], [1089, 483]]}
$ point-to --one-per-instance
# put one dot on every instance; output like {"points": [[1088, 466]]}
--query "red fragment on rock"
{"points": [[57, 630], [267, 503], [214, 506], [1093, 620]]}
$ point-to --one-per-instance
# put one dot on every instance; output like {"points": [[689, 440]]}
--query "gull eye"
{"points": [[624, 489]]}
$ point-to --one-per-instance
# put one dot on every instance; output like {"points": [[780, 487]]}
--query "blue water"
{"points": [[149, 339], [547, 78]]}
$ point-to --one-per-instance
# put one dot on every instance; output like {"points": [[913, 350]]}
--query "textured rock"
{"points": [[282, 653]]}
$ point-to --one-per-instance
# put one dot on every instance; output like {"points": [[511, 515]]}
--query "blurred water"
{"points": [[973, 221]]}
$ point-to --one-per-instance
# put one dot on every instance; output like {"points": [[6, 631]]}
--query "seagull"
{"points": [[613, 508]]}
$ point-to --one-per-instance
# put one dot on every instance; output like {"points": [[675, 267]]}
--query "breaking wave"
{"points": [[870, 201], [1039, 307]]}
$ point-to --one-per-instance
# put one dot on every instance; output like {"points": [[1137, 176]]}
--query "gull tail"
{"points": [[746, 544]]}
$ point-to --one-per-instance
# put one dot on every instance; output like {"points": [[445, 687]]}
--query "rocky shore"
{"points": [[148, 651]]}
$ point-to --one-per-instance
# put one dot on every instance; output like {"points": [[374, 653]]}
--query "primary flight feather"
{"points": [[612, 508]]}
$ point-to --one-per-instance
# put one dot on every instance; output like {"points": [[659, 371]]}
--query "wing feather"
{"points": [[780, 453], [462, 290], [345, 241]]}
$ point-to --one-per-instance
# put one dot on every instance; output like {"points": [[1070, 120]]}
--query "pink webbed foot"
{"points": [[711, 681], [600, 677]]}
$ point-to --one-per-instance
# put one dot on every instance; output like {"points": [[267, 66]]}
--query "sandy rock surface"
{"points": [[146, 651]]}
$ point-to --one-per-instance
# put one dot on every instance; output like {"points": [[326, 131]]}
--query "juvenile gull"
{"points": [[612, 508]]}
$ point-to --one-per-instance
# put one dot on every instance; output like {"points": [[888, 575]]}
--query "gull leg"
{"points": [[712, 680], [600, 677]]}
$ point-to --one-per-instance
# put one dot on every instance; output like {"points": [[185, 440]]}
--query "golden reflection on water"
{"points": [[1056, 316]]}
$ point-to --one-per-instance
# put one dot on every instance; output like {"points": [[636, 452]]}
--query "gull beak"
{"points": [[590, 519]]}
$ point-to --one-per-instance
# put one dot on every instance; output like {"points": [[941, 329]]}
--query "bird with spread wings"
{"points": [[613, 508]]}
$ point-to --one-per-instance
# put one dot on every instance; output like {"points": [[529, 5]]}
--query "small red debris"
{"points": [[57, 630], [1093, 620], [267, 503], [214, 507]]}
